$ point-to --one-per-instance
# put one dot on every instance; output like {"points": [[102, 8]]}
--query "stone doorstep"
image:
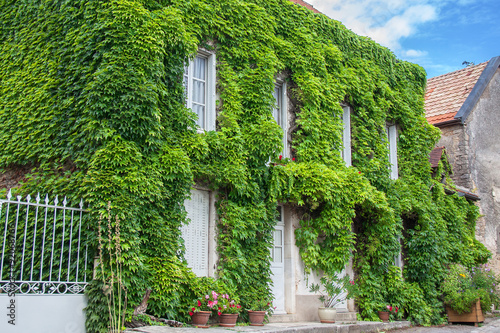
{"points": [[346, 317], [296, 327], [343, 317]]}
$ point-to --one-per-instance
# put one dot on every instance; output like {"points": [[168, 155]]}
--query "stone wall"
{"points": [[483, 130], [10, 177], [474, 154], [455, 140]]}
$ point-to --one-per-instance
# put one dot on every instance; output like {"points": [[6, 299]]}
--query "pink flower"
{"points": [[207, 297], [389, 307], [280, 157], [351, 282], [210, 304], [238, 306]]}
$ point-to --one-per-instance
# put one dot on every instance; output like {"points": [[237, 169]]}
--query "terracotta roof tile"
{"points": [[446, 93], [305, 4], [440, 118]]}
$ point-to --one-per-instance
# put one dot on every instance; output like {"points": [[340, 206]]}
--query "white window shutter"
{"points": [[211, 97], [392, 134], [284, 121], [346, 136], [195, 234]]}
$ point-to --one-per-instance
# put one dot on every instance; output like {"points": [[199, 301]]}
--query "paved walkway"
{"points": [[299, 327], [491, 325]]}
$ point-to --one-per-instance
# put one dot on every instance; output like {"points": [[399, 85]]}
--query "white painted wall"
{"points": [[44, 314]]}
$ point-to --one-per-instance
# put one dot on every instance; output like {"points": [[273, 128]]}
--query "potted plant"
{"points": [[258, 311], [228, 310], [202, 309], [387, 311], [469, 293], [332, 290]]}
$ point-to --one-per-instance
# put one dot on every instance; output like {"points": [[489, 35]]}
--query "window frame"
{"points": [[282, 105], [392, 145], [346, 135], [210, 91], [398, 258]]}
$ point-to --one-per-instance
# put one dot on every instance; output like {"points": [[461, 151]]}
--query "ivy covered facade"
{"points": [[253, 107]]}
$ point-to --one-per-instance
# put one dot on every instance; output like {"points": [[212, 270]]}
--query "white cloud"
{"points": [[414, 53], [385, 21]]}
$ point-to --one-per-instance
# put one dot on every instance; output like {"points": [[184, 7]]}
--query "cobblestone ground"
{"points": [[491, 325]]}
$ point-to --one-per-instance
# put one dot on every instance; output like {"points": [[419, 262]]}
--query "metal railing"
{"points": [[43, 248]]}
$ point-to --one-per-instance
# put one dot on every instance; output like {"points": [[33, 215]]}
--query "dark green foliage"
{"points": [[91, 96]]}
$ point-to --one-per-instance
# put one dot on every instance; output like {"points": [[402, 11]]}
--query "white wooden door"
{"points": [[195, 234], [278, 264]]}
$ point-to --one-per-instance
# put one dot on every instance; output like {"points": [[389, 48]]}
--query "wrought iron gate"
{"points": [[44, 251]]}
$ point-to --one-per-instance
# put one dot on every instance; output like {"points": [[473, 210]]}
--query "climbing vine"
{"points": [[92, 101]]}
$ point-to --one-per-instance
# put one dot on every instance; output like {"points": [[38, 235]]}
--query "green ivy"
{"points": [[92, 101]]}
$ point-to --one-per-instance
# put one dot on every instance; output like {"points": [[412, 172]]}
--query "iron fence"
{"points": [[44, 250]]}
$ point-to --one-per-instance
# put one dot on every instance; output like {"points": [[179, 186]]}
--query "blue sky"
{"points": [[439, 35]]}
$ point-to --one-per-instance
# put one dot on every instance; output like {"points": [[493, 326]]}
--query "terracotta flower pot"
{"points": [[256, 318], [200, 318], [383, 315], [228, 319]]}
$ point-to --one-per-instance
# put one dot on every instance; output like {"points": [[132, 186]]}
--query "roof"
{"points": [[447, 93], [435, 156], [305, 4], [451, 97]]}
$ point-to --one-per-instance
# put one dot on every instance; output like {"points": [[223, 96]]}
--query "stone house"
{"points": [[465, 106]]}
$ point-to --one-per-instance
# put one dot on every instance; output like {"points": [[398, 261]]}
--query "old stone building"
{"points": [[465, 106]]}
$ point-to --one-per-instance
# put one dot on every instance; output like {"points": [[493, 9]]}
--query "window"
{"points": [[199, 86], [346, 135], [196, 233], [392, 134], [398, 260], [280, 112]]}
